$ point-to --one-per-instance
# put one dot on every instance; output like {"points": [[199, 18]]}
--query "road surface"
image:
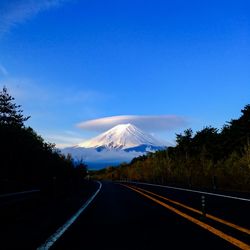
{"points": [[28, 218], [136, 216]]}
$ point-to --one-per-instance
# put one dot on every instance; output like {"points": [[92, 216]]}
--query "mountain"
{"points": [[120, 143], [122, 136]]}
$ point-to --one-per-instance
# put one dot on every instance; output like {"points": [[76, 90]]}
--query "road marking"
{"points": [[211, 229], [54, 237], [242, 229], [19, 193], [193, 191]]}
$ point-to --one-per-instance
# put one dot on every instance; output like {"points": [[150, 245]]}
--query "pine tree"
{"points": [[10, 113]]}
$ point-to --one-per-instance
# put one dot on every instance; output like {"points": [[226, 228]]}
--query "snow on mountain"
{"points": [[122, 136], [121, 143]]}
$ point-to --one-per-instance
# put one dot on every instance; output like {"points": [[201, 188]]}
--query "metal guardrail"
{"points": [[189, 190]]}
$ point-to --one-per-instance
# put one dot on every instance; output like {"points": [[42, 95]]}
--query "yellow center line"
{"points": [[242, 229], [213, 230]]}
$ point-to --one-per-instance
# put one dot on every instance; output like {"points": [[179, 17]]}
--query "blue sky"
{"points": [[68, 62]]}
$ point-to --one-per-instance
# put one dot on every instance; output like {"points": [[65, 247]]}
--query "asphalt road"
{"points": [[126, 217], [27, 219]]}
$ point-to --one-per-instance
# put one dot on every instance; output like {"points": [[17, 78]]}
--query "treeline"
{"points": [[26, 160], [208, 158]]}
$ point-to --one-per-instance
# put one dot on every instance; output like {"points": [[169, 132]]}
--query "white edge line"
{"points": [[18, 193], [59, 232], [193, 191]]}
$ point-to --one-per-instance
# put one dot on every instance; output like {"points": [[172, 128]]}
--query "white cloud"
{"points": [[18, 11], [3, 70], [62, 140], [90, 155], [147, 122]]}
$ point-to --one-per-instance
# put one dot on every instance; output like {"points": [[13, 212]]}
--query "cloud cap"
{"points": [[146, 122]]}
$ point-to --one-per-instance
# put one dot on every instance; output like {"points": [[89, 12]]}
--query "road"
{"points": [[136, 216], [28, 218]]}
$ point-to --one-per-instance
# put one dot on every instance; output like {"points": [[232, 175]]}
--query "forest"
{"points": [[26, 160], [209, 158]]}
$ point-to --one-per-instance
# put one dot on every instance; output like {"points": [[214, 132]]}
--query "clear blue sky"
{"points": [[71, 61]]}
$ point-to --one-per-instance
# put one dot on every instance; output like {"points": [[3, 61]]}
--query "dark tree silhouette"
{"points": [[26, 160], [10, 113]]}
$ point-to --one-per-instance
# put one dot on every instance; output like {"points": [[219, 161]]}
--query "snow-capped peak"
{"points": [[122, 136]]}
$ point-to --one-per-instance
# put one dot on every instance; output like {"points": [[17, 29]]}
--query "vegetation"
{"points": [[26, 160], [207, 159]]}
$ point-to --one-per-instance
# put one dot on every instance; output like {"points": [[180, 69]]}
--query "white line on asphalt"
{"points": [[18, 193], [54, 237], [193, 191]]}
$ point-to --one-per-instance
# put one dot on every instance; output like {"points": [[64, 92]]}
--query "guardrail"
{"points": [[188, 190]]}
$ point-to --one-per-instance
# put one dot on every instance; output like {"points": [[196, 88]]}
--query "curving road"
{"points": [[136, 216]]}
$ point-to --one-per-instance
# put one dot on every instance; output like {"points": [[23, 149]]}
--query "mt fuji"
{"points": [[119, 144]]}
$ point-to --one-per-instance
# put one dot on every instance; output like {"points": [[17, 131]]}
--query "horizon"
{"points": [[79, 67]]}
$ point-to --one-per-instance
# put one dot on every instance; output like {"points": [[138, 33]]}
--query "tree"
{"points": [[10, 113], [26, 160], [207, 140], [184, 141]]}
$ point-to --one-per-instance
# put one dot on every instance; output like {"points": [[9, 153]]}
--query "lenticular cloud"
{"points": [[147, 122]]}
